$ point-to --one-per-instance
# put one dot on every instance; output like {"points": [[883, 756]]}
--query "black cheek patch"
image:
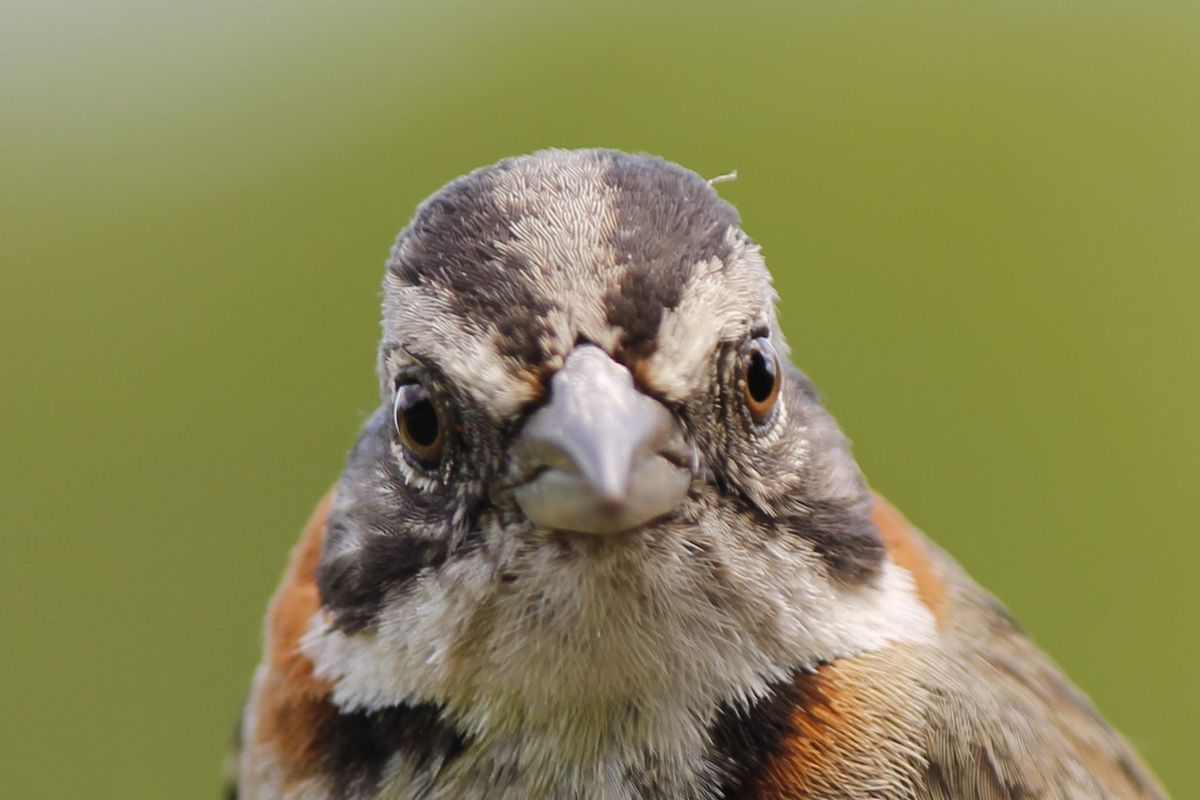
{"points": [[384, 539], [845, 539], [354, 587], [839, 527]]}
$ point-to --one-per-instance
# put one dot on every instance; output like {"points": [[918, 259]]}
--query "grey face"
{"points": [[583, 344]]}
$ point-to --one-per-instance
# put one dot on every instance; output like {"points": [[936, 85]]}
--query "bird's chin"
{"points": [[559, 500]]}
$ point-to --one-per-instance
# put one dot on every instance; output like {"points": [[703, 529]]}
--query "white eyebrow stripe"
{"points": [[720, 302], [466, 350]]}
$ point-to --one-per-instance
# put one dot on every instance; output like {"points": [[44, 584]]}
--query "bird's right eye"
{"points": [[760, 379], [419, 424]]}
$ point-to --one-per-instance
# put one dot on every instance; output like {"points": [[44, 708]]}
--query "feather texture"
{"points": [[780, 632]]}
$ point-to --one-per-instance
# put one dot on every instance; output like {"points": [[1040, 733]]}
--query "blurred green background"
{"points": [[984, 220]]}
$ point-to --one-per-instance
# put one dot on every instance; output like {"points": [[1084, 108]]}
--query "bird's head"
{"points": [[592, 466]]}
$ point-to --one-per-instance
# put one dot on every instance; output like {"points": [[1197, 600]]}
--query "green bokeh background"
{"points": [[983, 218]]}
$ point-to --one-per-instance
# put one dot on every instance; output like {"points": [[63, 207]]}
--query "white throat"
{"points": [[601, 670]]}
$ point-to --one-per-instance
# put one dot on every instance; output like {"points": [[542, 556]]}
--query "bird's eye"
{"points": [[418, 424], [761, 379]]}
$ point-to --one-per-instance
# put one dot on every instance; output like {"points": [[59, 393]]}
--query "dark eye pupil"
{"points": [[421, 423], [760, 377]]}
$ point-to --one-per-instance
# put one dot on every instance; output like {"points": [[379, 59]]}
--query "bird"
{"points": [[601, 539]]}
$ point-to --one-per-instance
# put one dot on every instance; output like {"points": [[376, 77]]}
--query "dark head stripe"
{"points": [[668, 220], [619, 231], [369, 547], [455, 244]]}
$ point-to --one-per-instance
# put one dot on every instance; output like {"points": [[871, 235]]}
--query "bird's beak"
{"points": [[602, 456]]}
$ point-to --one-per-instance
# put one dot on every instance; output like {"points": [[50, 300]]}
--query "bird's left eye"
{"points": [[760, 378], [418, 424]]}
